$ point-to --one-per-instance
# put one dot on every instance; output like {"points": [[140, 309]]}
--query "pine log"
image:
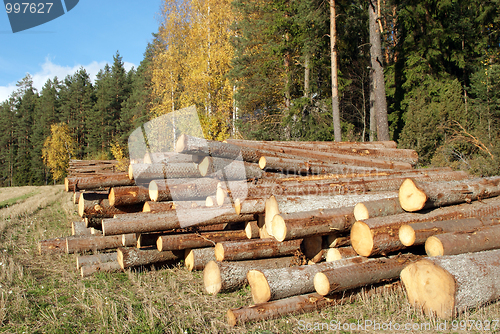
{"points": [[250, 205], [448, 285], [301, 304], [338, 253], [182, 189], [417, 234], [119, 196], [380, 235], [102, 209], [482, 239], [252, 229], [338, 239], [51, 246], [313, 144], [316, 222], [168, 157], [270, 284], [377, 208], [228, 276], [155, 207], [254, 249], [313, 248], [370, 272], [151, 222], [197, 240], [109, 267], [144, 173], [94, 243], [146, 240], [97, 182], [227, 169], [415, 195], [197, 258], [133, 257], [79, 228], [88, 260]]}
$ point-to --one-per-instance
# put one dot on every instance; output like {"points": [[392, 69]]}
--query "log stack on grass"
{"points": [[286, 218]]}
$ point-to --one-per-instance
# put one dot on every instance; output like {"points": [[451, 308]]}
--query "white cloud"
{"points": [[49, 70]]}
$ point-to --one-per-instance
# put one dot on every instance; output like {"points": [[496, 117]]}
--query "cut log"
{"points": [[270, 284], [252, 229], [76, 197], [250, 205], [338, 240], [101, 208], [93, 222], [380, 235], [338, 253], [168, 157], [134, 257], [180, 170], [146, 240], [155, 207], [119, 196], [94, 231], [197, 240], [482, 239], [300, 304], [182, 189], [312, 247], [254, 249], [417, 234], [79, 228], [357, 275], [88, 260], [109, 267], [448, 285], [227, 169], [228, 276], [317, 222], [377, 208], [197, 258], [314, 144], [50, 246], [94, 243], [97, 182], [415, 195]]}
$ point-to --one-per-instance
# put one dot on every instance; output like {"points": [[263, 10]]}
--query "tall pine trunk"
{"points": [[335, 87]]}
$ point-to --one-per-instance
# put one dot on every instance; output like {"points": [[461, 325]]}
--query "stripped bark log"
{"points": [[377, 208], [120, 196], [197, 240], [197, 258], [415, 195], [133, 257], [89, 260], [97, 182], [95, 243], [380, 235], [182, 189], [254, 249], [270, 284], [449, 285], [228, 276]]}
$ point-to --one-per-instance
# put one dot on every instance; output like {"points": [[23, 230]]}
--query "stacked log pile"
{"points": [[297, 221]]}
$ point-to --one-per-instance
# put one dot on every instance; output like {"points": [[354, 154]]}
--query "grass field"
{"points": [[45, 294]]}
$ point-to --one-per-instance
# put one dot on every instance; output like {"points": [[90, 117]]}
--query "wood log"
{"points": [[252, 229], [357, 275], [94, 222], [94, 231], [270, 284], [313, 248], [377, 208], [380, 235], [134, 257], [182, 189], [79, 228], [88, 260], [52, 246], [250, 205], [145, 173], [101, 208], [109, 267], [482, 239], [197, 258], [97, 182], [313, 144], [120, 196], [76, 197], [254, 249], [338, 253], [316, 222], [151, 222], [307, 167], [197, 240], [95, 243], [415, 195], [227, 169], [155, 207], [168, 157], [417, 233], [229, 276], [338, 239], [301, 304], [448, 285]]}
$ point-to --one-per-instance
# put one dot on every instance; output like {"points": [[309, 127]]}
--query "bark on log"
{"points": [[380, 235], [250, 205], [120, 196], [144, 173], [93, 222], [377, 208], [306, 167], [197, 240], [228, 276], [357, 275], [338, 239], [415, 195], [109, 267], [227, 169], [101, 208], [95, 243], [155, 207], [482, 239], [79, 228], [270, 284], [97, 182], [252, 229], [449, 285], [313, 144], [89, 260], [254, 249], [417, 234], [197, 258], [338, 253], [134, 257], [317, 222], [182, 189], [51, 246], [313, 248]]}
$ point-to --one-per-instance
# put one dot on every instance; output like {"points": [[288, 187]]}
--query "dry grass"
{"points": [[45, 294]]}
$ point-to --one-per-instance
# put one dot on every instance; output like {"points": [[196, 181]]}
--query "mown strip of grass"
{"points": [[15, 200]]}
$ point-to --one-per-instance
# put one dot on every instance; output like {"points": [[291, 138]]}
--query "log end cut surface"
{"points": [[261, 292], [189, 259], [407, 235], [430, 287], [411, 198], [153, 191], [322, 284], [219, 252], [272, 209], [212, 278], [262, 162], [361, 212], [279, 228], [434, 246], [361, 238]]}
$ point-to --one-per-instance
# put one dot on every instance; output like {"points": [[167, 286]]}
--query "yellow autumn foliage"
{"points": [[58, 149]]}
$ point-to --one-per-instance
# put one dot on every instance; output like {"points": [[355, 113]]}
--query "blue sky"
{"points": [[87, 36]]}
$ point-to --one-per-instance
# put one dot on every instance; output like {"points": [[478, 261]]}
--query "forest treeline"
{"points": [[262, 69]]}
